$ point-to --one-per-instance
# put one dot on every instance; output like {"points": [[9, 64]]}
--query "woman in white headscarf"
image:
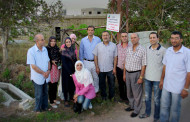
{"points": [[84, 86]]}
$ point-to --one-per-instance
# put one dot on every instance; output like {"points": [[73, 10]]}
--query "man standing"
{"points": [[105, 58], [87, 45], [121, 50], [175, 79], [135, 64], [39, 61], [155, 55]]}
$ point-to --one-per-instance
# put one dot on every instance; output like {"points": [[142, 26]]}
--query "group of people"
{"points": [[165, 71]]}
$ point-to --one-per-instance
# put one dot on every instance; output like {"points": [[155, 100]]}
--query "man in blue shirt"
{"points": [[87, 45], [175, 79], [38, 59]]}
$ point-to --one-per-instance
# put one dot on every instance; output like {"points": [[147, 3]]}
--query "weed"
{"points": [[28, 69], [6, 74], [20, 78], [2, 97]]}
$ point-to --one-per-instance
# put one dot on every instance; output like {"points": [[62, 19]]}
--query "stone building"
{"points": [[93, 11]]}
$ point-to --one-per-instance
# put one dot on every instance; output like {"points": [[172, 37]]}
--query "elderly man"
{"points": [[105, 58], [122, 50], [175, 79], [37, 58], [87, 45], [135, 64]]}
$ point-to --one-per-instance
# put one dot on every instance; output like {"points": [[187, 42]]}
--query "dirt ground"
{"points": [[115, 114]]}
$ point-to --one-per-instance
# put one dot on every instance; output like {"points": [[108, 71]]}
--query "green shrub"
{"points": [[20, 78], [2, 97], [6, 73]]}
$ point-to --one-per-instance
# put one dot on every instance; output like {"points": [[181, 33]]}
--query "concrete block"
{"points": [[26, 104], [8, 98], [26, 101]]}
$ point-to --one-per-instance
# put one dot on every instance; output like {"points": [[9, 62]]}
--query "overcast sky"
{"points": [[74, 6]]}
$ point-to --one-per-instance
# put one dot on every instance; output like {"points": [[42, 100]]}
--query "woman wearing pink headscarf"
{"points": [[73, 38]]}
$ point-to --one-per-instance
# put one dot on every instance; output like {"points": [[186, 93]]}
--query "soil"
{"points": [[115, 113]]}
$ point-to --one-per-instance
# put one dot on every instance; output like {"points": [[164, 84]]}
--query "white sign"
{"points": [[113, 22]]}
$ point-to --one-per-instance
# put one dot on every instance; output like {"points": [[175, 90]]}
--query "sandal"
{"points": [[53, 105], [56, 101], [66, 104], [143, 116]]}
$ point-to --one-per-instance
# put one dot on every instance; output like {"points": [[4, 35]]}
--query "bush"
{"points": [[2, 97], [20, 78], [6, 74]]}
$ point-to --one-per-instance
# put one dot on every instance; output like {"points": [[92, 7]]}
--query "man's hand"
{"points": [[140, 81], [97, 70], [46, 74], [184, 93], [161, 84], [124, 77], [114, 71]]}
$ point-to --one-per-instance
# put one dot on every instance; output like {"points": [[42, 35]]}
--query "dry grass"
{"points": [[16, 53]]}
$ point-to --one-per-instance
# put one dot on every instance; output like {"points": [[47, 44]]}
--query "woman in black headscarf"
{"points": [[55, 58], [68, 61]]}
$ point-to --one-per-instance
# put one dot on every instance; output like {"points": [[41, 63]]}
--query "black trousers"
{"points": [[122, 84], [111, 84], [68, 87], [52, 92]]}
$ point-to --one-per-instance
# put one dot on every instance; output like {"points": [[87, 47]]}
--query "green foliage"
{"points": [[83, 33], [31, 38], [20, 79], [6, 74], [158, 15], [28, 69], [2, 98]]}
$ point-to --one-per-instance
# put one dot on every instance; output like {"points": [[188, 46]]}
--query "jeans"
{"points": [[41, 96], [148, 95], [170, 106], [122, 84], [111, 84], [84, 101]]}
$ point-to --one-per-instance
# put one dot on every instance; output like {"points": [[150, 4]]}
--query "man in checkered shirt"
{"points": [[135, 64]]}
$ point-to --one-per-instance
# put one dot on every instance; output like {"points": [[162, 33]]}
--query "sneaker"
{"points": [[90, 106], [53, 105], [156, 120], [57, 102], [143, 116], [129, 109]]}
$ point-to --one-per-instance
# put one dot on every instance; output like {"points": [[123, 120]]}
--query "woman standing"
{"points": [[73, 38], [68, 60], [84, 86], [55, 57]]}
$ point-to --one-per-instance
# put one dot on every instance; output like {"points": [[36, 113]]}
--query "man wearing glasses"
{"points": [[175, 79]]}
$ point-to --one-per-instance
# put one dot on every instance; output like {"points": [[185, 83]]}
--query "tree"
{"points": [[163, 16], [20, 14]]}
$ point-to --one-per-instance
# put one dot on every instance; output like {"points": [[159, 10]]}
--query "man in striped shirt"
{"points": [[135, 64], [121, 51]]}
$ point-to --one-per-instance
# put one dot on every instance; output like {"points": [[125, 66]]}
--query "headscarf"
{"points": [[69, 51], [53, 52], [83, 76], [73, 36]]}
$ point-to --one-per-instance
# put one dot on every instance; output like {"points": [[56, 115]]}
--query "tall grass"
{"points": [[17, 53]]}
